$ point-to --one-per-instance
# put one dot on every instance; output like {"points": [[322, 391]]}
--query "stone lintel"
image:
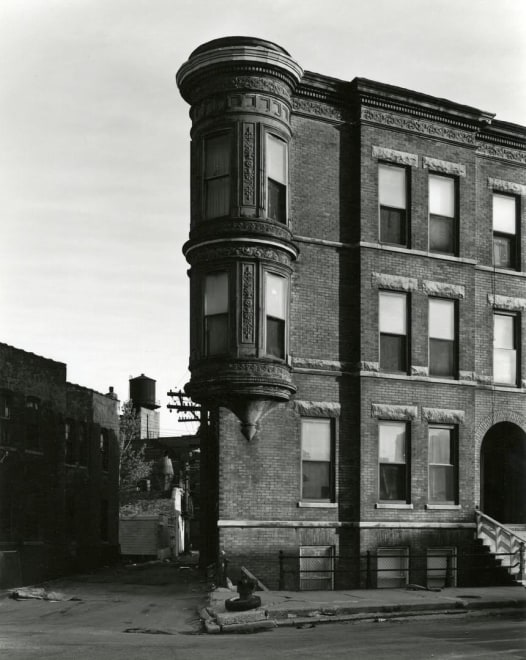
{"points": [[393, 156], [443, 415], [394, 282], [443, 166], [317, 408], [499, 185], [507, 303], [395, 412], [443, 289]]}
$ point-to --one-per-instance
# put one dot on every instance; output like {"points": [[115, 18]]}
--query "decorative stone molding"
{"points": [[504, 153], [506, 186], [245, 227], [392, 156], [394, 282], [309, 107], [249, 164], [443, 166], [325, 365], [443, 289], [467, 375], [484, 380], [443, 416], [419, 371], [417, 126], [386, 411], [210, 253], [370, 366], [247, 304], [507, 302], [317, 408]]}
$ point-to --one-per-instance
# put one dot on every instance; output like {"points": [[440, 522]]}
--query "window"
{"points": [[317, 459], [392, 192], [505, 231], [442, 338], [316, 567], [393, 331], [505, 353], [441, 567], [276, 178], [216, 314], [392, 567], [442, 465], [104, 450], [276, 311], [83, 445], [442, 214], [392, 459], [217, 176], [5, 405], [33, 440], [68, 437]]}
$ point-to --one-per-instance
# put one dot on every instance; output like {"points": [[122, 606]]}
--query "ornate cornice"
{"points": [[316, 109], [503, 153], [425, 127]]}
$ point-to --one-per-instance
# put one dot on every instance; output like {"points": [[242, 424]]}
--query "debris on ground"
{"points": [[148, 631], [38, 593]]}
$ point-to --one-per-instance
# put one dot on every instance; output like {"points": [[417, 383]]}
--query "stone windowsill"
{"points": [[317, 505], [443, 507], [393, 505]]}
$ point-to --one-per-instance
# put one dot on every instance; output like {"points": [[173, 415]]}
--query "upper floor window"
{"points": [[68, 438], [5, 405], [317, 459], [505, 253], [442, 338], [216, 314], [33, 437], [276, 178], [442, 458], [83, 445], [443, 230], [505, 353], [105, 449], [392, 193], [217, 150], [393, 331], [392, 459], [275, 314]]}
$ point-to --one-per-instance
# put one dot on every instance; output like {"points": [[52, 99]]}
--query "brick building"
{"points": [[357, 274], [59, 461]]}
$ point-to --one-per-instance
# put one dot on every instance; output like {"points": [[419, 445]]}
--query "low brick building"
{"points": [[59, 462], [357, 273]]}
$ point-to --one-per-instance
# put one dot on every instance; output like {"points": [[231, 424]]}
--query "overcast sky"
{"points": [[94, 155]]}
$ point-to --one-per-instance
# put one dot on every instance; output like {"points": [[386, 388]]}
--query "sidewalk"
{"points": [[300, 608]]}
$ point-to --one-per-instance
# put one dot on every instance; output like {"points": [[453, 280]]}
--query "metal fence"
{"points": [[396, 568]]}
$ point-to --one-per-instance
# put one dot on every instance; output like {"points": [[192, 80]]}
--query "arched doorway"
{"points": [[503, 473]]}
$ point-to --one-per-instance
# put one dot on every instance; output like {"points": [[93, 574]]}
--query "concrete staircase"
{"points": [[506, 543]]}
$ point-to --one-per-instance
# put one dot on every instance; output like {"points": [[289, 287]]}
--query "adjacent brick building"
{"points": [[357, 274], [59, 462]]}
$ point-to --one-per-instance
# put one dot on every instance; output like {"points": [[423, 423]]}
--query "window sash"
{"points": [[442, 461], [216, 294], [392, 459], [393, 226], [442, 234], [392, 186], [393, 313], [442, 196], [442, 319], [317, 459], [505, 214], [216, 334], [504, 250], [217, 176], [276, 159]]}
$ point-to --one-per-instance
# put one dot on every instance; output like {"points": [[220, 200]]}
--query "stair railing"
{"points": [[503, 543]]}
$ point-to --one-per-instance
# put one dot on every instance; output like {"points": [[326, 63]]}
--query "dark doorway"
{"points": [[503, 473]]}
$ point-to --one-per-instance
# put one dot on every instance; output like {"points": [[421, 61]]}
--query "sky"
{"points": [[94, 150]]}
